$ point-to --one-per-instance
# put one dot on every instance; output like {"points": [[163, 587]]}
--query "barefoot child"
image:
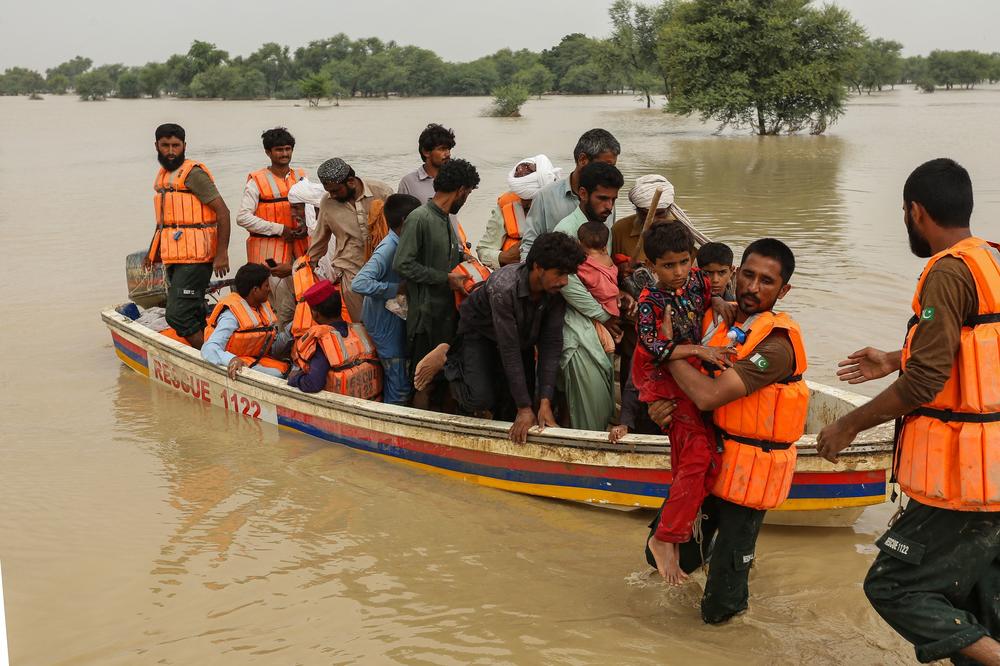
{"points": [[669, 327], [599, 275], [716, 262]]}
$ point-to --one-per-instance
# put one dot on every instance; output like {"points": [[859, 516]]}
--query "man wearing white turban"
{"points": [[501, 242], [305, 198]]}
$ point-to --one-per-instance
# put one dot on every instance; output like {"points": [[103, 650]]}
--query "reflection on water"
{"points": [[143, 527]]}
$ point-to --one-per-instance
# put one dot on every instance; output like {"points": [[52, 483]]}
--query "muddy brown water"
{"points": [[138, 527]]}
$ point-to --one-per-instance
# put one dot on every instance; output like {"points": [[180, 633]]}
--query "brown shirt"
{"points": [[201, 186], [347, 222], [625, 235], [772, 360], [947, 299]]}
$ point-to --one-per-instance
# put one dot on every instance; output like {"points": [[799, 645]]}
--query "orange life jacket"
{"points": [[186, 229], [273, 206], [252, 340], [949, 448], [462, 238], [475, 273], [759, 431], [513, 219], [303, 277], [354, 366]]}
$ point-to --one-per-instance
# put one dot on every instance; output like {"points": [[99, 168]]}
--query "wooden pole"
{"points": [[650, 214]]}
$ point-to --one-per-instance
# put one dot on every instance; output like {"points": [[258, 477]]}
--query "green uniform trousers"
{"points": [[936, 580], [729, 542]]}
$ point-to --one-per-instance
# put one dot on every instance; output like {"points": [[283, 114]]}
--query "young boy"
{"points": [[669, 326], [716, 261]]}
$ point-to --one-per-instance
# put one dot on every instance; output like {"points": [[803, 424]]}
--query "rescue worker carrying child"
{"points": [[759, 406]]}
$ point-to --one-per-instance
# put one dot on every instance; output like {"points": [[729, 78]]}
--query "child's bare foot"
{"points": [[667, 556]]}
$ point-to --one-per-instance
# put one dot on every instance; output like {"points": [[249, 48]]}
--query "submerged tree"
{"points": [[314, 88], [507, 101], [774, 65]]}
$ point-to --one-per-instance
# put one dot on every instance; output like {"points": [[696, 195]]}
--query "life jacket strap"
{"points": [[267, 200], [181, 225], [765, 445], [949, 416], [978, 320]]}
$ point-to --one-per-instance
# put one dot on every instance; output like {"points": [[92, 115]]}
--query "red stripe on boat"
{"points": [[131, 346]]}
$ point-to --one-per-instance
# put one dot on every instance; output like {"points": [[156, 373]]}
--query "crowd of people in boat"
{"points": [[527, 329], [356, 289], [377, 294]]}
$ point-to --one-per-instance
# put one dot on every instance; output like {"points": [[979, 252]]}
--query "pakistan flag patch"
{"points": [[927, 314], [760, 361]]}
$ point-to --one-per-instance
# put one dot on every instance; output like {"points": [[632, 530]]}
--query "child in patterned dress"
{"points": [[669, 324]]}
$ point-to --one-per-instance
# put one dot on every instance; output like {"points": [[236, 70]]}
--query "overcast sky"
{"points": [[43, 34]]}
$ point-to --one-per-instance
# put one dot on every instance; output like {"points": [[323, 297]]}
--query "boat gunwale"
{"points": [[877, 441]]}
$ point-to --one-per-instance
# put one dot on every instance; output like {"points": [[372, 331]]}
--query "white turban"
{"points": [[528, 187], [641, 195], [310, 194]]}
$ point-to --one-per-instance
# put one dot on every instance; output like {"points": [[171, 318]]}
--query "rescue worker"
{"points": [[265, 212], [192, 233], [334, 355], [243, 328], [936, 580], [758, 456], [501, 241]]}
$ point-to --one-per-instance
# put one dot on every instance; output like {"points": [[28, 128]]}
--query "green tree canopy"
{"points": [[94, 85], [773, 65], [537, 79], [21, 81], [71, 68]]}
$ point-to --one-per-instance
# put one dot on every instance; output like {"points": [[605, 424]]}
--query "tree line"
{"points": [[773, 65]]}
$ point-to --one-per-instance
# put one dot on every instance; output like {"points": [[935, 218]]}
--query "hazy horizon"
{"points": [[109, 31]]}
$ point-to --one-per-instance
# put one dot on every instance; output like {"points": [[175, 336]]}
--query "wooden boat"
{"points": [[560, 463]]}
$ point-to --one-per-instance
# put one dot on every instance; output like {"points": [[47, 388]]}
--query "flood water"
{"points": [[138, 527]]}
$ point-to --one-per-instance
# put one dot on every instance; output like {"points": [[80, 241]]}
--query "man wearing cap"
{"points": [[343, 214], [501, 241], [334, 355]]}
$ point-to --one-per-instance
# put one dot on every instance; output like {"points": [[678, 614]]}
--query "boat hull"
{"points": [[558, 463]]}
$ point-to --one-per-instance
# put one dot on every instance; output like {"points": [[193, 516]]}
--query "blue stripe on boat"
{"points": [[141, 360], [803, 491]]}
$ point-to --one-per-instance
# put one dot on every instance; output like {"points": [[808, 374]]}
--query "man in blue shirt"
{"points": [[379, 283]]}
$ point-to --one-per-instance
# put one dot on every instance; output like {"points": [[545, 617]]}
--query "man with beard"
{"points": [[557, 200], [343, 214], [266, 213], [426, 257], [586, 370], [936, 580], [759, 407], [505, 359], [192, 233]]}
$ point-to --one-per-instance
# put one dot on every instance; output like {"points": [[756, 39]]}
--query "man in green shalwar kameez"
{"points": [[587, 372], [426, 257]]}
